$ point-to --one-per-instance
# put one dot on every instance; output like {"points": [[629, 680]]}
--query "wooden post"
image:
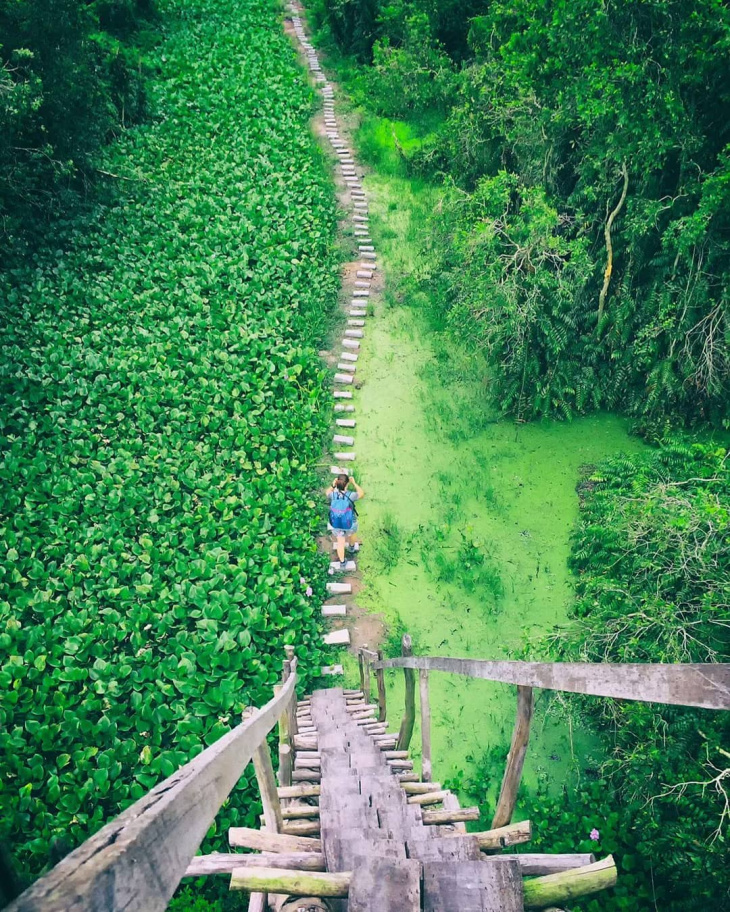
{"points": [[266, 783], [366, 688], [380, 680], [406, 726], [425, 726], [289, 665], [285, 753], [515, 759], [361, 664]]}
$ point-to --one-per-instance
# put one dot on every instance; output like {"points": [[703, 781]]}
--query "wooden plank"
{"points": [[127, 865], [290, 883], [515, 759], [426, 770], [568, 885], [428, 798], [704, 686], [420, 788], [537, 864], [301, 828], [451, 803], [225, 862], [247, 838], [385, 885], [462, 848], [476, 886], [406, 729]]}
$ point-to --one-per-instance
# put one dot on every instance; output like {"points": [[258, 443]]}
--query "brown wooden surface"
{"points": [[476, 886], [537, 864], [406, 728], [247, 838], [384, 885], [225, 862], [704, 686], [515, 759], [135, 862]]}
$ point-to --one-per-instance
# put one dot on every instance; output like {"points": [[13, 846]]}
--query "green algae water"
{"points": [[466, 526]]}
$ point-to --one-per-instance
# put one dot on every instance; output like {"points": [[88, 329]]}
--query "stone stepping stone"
{"points": [[361, 293], [332, 670], [355, 323], [366, 247], [337, 638], [361, 284], [348, 356], [338, 470], [342, 394], [343, 438], [341, 588], [343, 378], [349, 456], [350, 343], [346, 366], [367, 256], [350, 566], [368, 265], [360, 218], [334, 610], [364, 274], [355, 312], [339, 407], [354, 333], [345, 422]]}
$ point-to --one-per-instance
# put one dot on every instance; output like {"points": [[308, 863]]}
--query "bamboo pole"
{"points": [[425, 724], [515, 759], [380, 680], [555, 888], [292, 883], [406, 727]]}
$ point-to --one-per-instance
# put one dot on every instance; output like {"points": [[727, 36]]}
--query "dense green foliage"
{"points": [[163, 408], [71, 74], [546, 112], [652, 554]]}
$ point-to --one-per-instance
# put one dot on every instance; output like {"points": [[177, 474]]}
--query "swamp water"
{"points": [[466, 528]]}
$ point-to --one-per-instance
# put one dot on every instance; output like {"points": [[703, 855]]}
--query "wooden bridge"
{"points": [[350, 825]]}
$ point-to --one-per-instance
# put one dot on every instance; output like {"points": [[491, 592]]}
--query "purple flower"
{"points": [[594, 835], [331, 571], [302, 581], [309, 591]]}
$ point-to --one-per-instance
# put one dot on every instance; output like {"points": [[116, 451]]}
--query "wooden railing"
{"points": [[135, 862], [699, 686]]}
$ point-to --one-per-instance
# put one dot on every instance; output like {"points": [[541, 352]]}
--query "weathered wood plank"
{"points": [[703, 686], [538, 864], [225, 862], [248, 838], [440, 818], [515, 759], [380, 681], [127, 865], [300, 791], [385, 885], [557, 888], [478, 886]]}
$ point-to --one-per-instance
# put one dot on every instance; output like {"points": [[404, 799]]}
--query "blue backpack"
{"points": [[342, 510]]}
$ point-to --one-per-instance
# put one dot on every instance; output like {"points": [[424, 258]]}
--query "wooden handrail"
{"points": [[702, 686], [135, 862]]}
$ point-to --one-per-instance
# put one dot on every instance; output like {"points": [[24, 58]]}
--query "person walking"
{"points": [[343, 515]]}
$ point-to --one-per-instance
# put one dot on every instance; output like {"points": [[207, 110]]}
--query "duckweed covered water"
{"points": [[466, 525]]}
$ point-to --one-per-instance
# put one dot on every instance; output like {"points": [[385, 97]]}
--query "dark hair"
{"points": [[342, 482]]}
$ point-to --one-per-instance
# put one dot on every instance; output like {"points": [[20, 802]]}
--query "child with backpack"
{"points": [[343, 515]]}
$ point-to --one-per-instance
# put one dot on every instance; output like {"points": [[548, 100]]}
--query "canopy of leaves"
{"points": [[162, 408], [561, 98], [652, 554]]}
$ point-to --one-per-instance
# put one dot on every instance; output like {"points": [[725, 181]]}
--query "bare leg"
{"points": [[340, 543]]}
